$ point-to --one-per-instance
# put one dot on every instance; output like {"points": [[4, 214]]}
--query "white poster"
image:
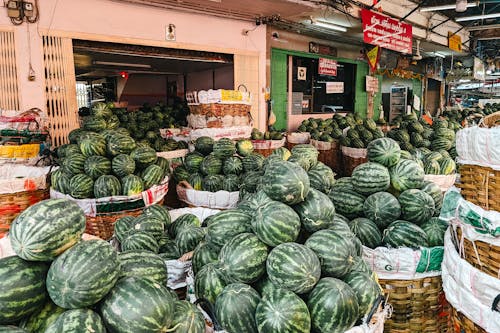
{"points": [[301, 73], [335, 87]]}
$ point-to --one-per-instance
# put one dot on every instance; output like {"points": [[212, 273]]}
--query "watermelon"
{"points": [[96, 166], [244, 147], [204, 254], [204, 145], [226, 224], [140, 241], [335, 251], [133, 294], [282, 311], [123, 165], [132, 185], [333, 306], [250, 181], [22, 288], [187, 318], [101, 110], [164, 164], [253, 201], [41, 319], [435, 229], [264, 285], [192, 161], [286, 182], [435, 192], [447, 166], [107, 186], [406, 174], [243, 258], [382, 208], [183, 221], [95, 145], [82, 186], [321, 177], [74, 135], [235, 308], [431, 167], [60, 181], [282, 153], [120, 144], [188, 238], [180, 174], [293, 266], [196, 181], [416, 206], [149, 224], [168, 249], [212, 183], [347, 202], [152, 175], [74, 281], [211, 165], [307, 152], [360, 266], [404, 234], [275, 223], [143, 264], [441, 143], [74, 164], [385, 151], [369, 178], [76, 321], [253, 162], [300, 161], [367, 232], [123, 226], [231, 183], [143, 156], [47, 229], [316, 211], [160, 212], [209, 282], [223, 148], [340, 224], [232, 165]]}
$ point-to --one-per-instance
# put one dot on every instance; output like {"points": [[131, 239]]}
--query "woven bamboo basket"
{"points": [[266, 147], [103, 225], [480, 185], [330, 154], [351, 161], [460, 323], [483, 256], [419, 306], [492, 120], [297, 138], [12, 204]]}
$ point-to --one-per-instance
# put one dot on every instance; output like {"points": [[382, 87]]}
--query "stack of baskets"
{"points": [[330, 154], [297, 138]]}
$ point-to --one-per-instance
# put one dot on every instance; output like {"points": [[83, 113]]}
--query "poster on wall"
{"points": [[327, 67], [371, 84], [335, 87], [386, 32], [301, 73]]}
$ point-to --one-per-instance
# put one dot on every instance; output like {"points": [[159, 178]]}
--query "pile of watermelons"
{"points": [[102, 162], [270, 134], [221, 165]]}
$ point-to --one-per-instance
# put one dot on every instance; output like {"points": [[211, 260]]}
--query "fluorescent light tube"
{"points": [[439, 55], [330, 26], [122, 64], [445, 7], [477, 17]]}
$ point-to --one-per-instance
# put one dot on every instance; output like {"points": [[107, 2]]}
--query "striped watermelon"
{"points": [[282, 311], [160, 212], [183, 221], [235, 308], [275, 223], [133, 294], [366, 289], [168, 249], [143, 156], [264, 285], [204, 145], [385, 151], [180, 173], [79, 320], [150, 225], [47, 229], [74, 165], [74, 134], [95, 145], [41, 319], [211, 165], [347, 202], [253, 162], [441, 143], [232, 165], [435, 192], [244, 147], [282, 152], [300, 161], [343, 183], [60, 181], [369, 178], [132, 185], [251, 181], [120, 144], [286, 182], [123, 226], [107, 186], [22, 288], [192, 161], [307, 152], [143, 264], [293, 266], [82, 186], [188, 238], [435, 229], [406, 174], [416, 206], [164, 164], [367, 232], [226, 224], [316, 211], [333, 306], [431, 167], [187, 318], [335, 251], [123, 165], [152, 175], [382, 208], [196, 181], [209, 282], [340, 224], [224, 148], [140, 241], [360, 266], [447, 166], [253, 201], [321, 177], [243, 258], [404, 234], [212, 183], [96, 166], [231, 183], [204, 254]]}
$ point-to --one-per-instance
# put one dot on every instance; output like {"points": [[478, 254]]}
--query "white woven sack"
{"points": [[200, 212], [479, 146], [354, 152], [17, 178], [445, 182]]}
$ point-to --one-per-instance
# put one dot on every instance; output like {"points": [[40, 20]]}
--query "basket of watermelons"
{"points": [[265, 143], [108, 173]]}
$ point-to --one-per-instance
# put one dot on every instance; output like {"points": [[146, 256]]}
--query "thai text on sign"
{"points": [[327, 67]]}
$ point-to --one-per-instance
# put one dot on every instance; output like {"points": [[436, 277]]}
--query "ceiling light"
{"points": [[439, 55], [477, 17], [461, 6], [445, 7], [330, 26], [122, 64]]}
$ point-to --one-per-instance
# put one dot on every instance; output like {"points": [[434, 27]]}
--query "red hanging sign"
{"points": [[386, 32], [327, 67]]}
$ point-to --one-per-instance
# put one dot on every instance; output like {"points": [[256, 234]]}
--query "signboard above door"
{"points": [[386, 32]]}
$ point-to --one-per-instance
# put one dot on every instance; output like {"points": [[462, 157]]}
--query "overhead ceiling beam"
{"points": [[413, 10], [483, 27]]}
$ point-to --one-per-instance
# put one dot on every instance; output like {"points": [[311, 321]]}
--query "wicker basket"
{"points": [[460, 323], [220, 110], [480, 185], [297, 138], [103, 225], [266, 147], [492, 120], [13, 204], [351, 158], [483, 256], [419, 305], [330, 154]]}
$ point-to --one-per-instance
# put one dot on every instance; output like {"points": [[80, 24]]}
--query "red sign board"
{"points": [[327, 67], [386, 32]]}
